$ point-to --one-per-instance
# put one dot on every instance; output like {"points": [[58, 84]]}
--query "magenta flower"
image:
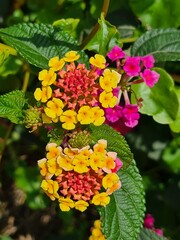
{"points": [[113, 114], [116, 53], [132, 67], [149, 221], [131, 115], [148, 61], [150, 77]]}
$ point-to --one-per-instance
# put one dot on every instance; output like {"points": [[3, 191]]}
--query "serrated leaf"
{"points": [[106, 37], [164, 44], [147, 234], [37, 43], [161, 101], [122, 218], [11, 105]]}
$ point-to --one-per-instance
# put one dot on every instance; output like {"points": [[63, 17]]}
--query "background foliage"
{"points": [[154, 142]]}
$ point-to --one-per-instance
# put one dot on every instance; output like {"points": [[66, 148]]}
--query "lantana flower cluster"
{"points": [[79, 177], [72, 94]]}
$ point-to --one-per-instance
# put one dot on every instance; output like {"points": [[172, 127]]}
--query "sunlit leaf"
{"points": [[161, 101], [106, 37]]}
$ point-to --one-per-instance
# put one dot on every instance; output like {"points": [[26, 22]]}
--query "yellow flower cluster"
{"points": [[76, 177], [55, 108], [96, 233]]}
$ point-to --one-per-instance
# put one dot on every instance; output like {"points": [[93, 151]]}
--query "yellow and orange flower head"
{"points": [[73, 94], [78, 177]]}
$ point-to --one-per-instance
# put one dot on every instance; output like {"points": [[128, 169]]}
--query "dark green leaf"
{"points": [[161, 101], [147, 234], [11, 105], [37, 43], [122, 218], [164, 44]]}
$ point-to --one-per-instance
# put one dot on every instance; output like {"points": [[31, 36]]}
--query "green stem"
{"points": [[26, 77], [96, 27]]}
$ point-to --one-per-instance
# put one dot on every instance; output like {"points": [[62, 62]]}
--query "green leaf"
{"points": [[157, 13], [11, 105], [147, 234], [3, 56], [161, 101], [106, 37], [122, 218], [37, 43], [175, 126], [68, 25], [171, 155], [4, 237], [164, 44], [15, 64], [27, 178]]}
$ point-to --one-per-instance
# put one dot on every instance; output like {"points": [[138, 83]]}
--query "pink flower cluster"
{"points": [[149, 223], [136, 66], [124, 116]]}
